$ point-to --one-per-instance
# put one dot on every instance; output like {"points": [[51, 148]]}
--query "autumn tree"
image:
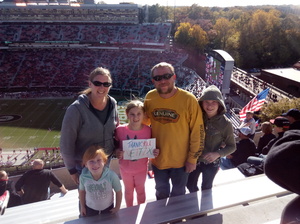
{"points": [[191, 36], [224, 31], [272, 110]]}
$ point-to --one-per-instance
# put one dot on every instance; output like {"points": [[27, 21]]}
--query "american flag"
{"points": [[255, 104]]}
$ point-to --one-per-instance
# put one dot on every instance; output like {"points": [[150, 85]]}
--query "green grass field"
{"points": [[39, 122], [39, 125]]}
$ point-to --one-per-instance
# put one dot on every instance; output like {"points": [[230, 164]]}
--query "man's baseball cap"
{"points": [[245, 130], [295, 113], [281, 122]]}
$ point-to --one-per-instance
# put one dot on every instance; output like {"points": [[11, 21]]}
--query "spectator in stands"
{"points": [[34, 185], [6, 185], [293, 115], [97, 183], [282, 166], [177, 125], [219, 139], [267, 136], [244, 148], [281, 124], [90, 120], [249, 121], [133, 172]]}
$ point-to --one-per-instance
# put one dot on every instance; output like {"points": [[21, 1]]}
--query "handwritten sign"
{"points": [[138, 148]]}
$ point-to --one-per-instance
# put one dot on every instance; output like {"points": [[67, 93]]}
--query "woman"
{"points": [[267, 136], [90, 120], [219, 139]]}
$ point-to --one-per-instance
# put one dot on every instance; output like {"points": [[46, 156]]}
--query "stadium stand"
{"points": [[187, 207]]}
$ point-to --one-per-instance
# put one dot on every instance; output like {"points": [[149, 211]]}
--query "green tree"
{"points": [[224, 30], [272, 110], [198, 38], [191, 36]]}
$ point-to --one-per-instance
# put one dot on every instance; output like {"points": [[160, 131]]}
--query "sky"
{"points": [[209, 3]]}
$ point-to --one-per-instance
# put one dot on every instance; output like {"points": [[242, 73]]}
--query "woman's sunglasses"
{"points": [[105, 84], [164, 76]]}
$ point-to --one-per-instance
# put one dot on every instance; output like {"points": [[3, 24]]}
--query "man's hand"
{"points": [[189, 167]]}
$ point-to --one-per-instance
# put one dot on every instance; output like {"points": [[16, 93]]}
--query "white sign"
{"points": [[138, 148]]}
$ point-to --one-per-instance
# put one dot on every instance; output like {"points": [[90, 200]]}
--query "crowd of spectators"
{"points": [[256, 85], [83, 32], [64, 68], [96, 13]]}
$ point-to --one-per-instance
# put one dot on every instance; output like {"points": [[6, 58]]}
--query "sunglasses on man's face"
{"points": [[161, 77], [105, 84]]}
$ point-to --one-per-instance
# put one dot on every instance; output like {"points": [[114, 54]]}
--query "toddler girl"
{"points": [[96, 185]]}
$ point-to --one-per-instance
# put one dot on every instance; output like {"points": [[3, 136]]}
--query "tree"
{"points": [[198, 38], [272, 110], [193, 37], [224, 30]]}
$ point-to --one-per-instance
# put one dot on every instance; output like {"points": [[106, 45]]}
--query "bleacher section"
{"points": [[68, 68], [231, 193], [93, 33], [62, 12]]}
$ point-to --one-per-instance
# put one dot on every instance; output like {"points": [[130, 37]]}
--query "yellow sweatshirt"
{"points": [[178, 127]]}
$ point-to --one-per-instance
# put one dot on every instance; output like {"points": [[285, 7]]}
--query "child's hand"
{"points": [[119, 154], [82, 211], [155, 152], [114, 210]]}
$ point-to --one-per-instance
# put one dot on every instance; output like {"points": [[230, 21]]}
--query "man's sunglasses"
{"points": [[164, 76], [105, 84]]}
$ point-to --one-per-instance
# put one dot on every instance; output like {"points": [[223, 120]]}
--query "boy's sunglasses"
{"points": [[164, 76], [105, 84]]}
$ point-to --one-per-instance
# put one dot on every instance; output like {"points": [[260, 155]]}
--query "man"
{"points": [[33, 185], [249, 121], [244, 148], [177, 125], [281, 124], [282, 166], [293, 115]]}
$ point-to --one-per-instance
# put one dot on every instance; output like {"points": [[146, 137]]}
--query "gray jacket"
{"points": [[218, 129], [81, 128]]}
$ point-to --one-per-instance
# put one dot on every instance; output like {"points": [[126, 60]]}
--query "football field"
{"points": [[31, 123], [34, 123]]}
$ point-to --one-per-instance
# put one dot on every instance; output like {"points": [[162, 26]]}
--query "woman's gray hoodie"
{"points": [[218, 129], [81, 128]]}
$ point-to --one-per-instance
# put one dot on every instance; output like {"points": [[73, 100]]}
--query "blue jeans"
{"points": [[257, 160], [226, 164], [162, 178], [208, 171]]}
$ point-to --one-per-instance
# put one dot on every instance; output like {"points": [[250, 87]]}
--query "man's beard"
{"points": [[169, 90]]}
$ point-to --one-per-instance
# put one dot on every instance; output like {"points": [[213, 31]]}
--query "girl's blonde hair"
{"points": [[94, 73], [133, 104], [92, 152]]}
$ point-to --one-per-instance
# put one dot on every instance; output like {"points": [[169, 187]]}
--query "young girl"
{"points": [[96, 185], [133, 172]]}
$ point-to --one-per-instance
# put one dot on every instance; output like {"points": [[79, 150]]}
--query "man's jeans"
{"points": [[226, 163], [178, 178]]}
